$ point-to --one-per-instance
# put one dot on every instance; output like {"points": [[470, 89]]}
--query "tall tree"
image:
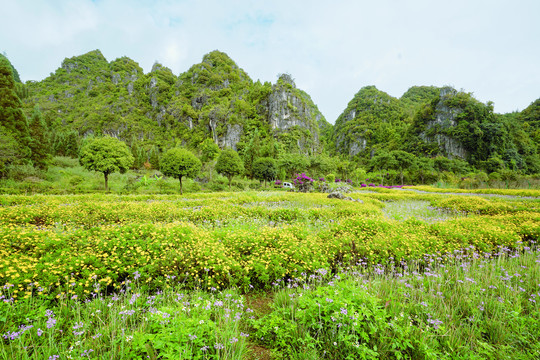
{"points": [[12, 118], [265, 169], [293, 163], [209, 153], [8, 151], [382, 162], [178, 163], [229, 164], [252, 152], [107, 155], [425, 167], [40, 145], [402, 161]]}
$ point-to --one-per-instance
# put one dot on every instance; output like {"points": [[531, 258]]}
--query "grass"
{"points": [[466, 304], [248, 275], [419, 209]]}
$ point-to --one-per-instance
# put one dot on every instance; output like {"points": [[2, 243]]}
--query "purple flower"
{"points": [[39, 332], [435, 322], [11, 335], [51, 322]]}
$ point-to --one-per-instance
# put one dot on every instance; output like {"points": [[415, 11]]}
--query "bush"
{"points": [[22, 172], [65, 162], [330, 178]]}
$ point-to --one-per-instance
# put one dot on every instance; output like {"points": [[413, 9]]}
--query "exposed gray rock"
{"points": [[286, 110], [335, 195], [232, 137], [340, 196], [357, 146], [445, 118]]}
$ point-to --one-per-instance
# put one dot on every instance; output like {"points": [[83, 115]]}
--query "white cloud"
{"points": [[332, 49]]}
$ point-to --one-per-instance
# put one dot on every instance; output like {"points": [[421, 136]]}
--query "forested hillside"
{"points": [[426, 132]]}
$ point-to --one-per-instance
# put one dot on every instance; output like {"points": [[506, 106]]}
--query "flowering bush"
{"points": [[303, 182]]}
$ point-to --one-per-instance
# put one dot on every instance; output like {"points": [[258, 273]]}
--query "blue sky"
{"points": [[332, 49]]}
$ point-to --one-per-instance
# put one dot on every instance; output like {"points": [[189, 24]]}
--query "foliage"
{"points": [[178, 163], [390, 275], [39, 145], [229, 164], [292, 163], [107, 155], [132, 324], [405, 311], [372, 118], [209, 151], [264, 169], [13, 122]]}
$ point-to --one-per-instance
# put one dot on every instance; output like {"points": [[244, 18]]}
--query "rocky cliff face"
{"points": [[293, 117], [444, 120]]}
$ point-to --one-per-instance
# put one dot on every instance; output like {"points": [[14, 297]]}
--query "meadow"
{"points": [[257, 275]]}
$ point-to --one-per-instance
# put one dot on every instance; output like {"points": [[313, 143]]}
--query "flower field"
{"points": [[171, 276]]}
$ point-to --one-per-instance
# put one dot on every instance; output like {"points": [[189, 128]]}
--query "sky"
{"points": [[331, 48]]}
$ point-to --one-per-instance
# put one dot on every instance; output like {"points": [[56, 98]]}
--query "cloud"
{"points": [[332, 49]]}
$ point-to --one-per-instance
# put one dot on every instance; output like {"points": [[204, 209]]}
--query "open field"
{"points": [[399, 274]]}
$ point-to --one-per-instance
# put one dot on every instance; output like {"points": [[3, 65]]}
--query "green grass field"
{"points": [[271, 275]]}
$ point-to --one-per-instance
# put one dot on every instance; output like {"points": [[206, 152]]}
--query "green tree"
{"points": [[138, 154], [425, 167], [265, 169], [293, 163], [323, 164], [402, 160], [178, 163], [153, 157], [343, 167], [107, 155], [251, 153], [382, 162], [8, 151], [209, 150], [229, 164], [209, 153], [40, 145], [441, 163], [12, 118]]}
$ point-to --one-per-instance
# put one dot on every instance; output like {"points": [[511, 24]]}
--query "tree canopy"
{"points": [[179, 162], [264, 169], [12, 118], [229, 164], [107, 155]]}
